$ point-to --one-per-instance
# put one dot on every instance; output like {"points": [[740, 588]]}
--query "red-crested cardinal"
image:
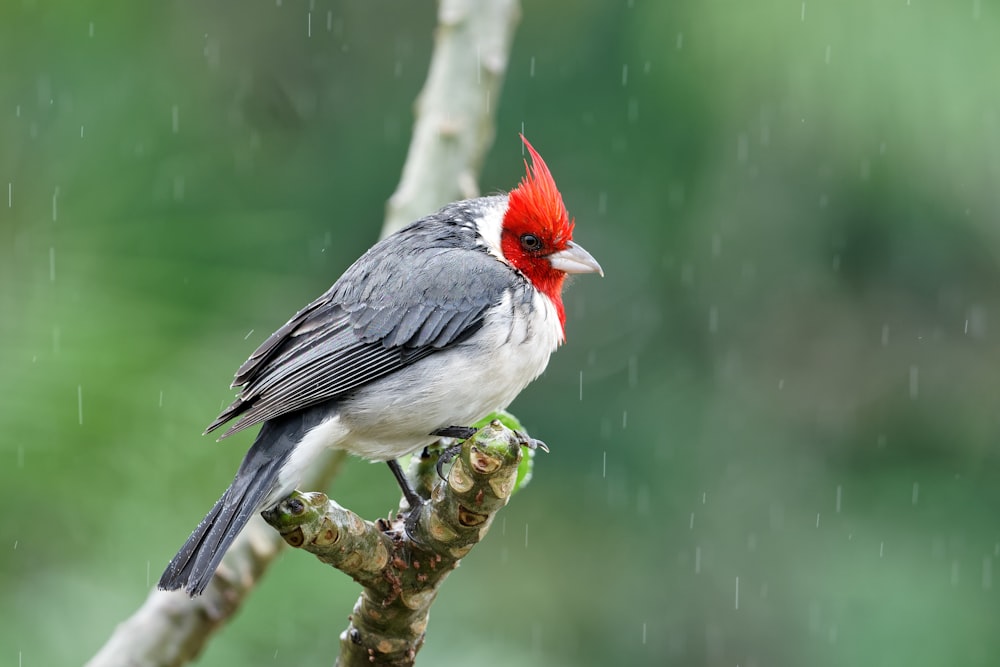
{"points": [[432, 329]]}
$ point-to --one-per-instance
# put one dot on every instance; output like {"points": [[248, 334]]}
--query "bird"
{"points": [[433, 328]]}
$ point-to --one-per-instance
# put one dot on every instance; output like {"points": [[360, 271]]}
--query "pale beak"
{"points": [[574, 259]]}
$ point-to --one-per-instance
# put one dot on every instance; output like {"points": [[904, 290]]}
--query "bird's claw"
{"points": [[446, 457], [525, 440]]}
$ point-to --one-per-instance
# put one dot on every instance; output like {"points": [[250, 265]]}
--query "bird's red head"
{"points": [[537, 234]]}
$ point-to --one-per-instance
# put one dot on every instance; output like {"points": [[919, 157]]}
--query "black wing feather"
{"points": [[393, 307]]}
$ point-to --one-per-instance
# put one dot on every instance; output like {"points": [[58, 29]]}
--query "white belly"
{"points": [[456, 387]]}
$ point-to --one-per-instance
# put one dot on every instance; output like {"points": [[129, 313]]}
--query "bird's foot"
{"points": [[411, 520], [462, 433]]}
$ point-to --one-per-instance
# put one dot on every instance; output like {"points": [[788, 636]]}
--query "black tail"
{"points": [[193, 566]]}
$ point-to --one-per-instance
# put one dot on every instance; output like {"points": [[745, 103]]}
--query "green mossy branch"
{"points": [[401, 573]]}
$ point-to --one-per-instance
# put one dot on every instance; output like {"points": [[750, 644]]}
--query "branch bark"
{"points": [[402, 572], [453, 129]]}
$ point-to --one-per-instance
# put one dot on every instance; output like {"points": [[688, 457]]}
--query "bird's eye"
{"points": [[530, 242]]}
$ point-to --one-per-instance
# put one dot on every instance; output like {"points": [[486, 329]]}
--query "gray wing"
{"points": [[381, 315]]}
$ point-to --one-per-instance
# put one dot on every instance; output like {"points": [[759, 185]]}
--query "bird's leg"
{"points": [[413, 498]]}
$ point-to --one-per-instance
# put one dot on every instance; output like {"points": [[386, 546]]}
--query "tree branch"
{"points": [[453, 130], [401, 573], [455, 110]]}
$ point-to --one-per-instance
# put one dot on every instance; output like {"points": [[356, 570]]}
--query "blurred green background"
{"points": [[774, 427]]}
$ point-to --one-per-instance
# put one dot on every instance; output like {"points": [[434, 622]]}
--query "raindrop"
{"points": [[55, 207], [602, 203], [329, 21], [248, 334], [525, 536], [10, 195], [781, 384], [976, 8], [975, 325], [624, 75], [604, 465], [914, 382], [81, 131], [643, 634], [691, 522], [826, 57], [680, 41], [817, 519], [624, 419], [646, 67], [581, 385], [713, 319], [916, 493], [736, 604], [79, 403], [803, 14], [704, 497], [52, 264], [309, 24], [881, 549], [161, 398], [531, 68], [840, 490], [178, 188], [836, 264]]}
